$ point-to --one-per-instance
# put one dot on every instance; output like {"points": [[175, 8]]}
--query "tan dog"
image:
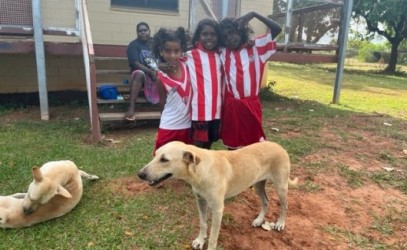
{"points": [[218, 174], [56, 190]]}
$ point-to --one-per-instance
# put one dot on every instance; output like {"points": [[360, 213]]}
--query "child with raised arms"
{"points": [[244, 63]]}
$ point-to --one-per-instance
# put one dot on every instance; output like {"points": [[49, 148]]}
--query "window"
{"points": [[170, 5]]}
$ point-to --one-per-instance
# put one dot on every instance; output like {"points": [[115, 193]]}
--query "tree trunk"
{"points": [[391, 67]]}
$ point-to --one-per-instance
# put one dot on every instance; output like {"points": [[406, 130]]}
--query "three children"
{"points": [[194, 88]]}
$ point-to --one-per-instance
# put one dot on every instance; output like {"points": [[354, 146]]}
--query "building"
{"points": [[112, 25]]}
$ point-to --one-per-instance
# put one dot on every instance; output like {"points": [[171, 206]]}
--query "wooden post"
{"points": [[90, 70]]}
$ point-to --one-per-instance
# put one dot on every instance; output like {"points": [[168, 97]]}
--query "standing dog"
{"points": [[56, 190], [217, 175]]}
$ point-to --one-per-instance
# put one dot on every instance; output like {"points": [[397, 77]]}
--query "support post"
{"points": [[342, 39], [90, 70], [287, 26], [40, 59]]}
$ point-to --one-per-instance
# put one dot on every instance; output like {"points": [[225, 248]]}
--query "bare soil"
{"points": [[325, 212], [336, 215]]}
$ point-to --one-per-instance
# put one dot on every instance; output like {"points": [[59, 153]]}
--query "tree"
{"points": [[386, 18], [313, 24]]}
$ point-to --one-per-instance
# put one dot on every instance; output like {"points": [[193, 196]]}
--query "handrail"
{"points": [[90, 69]]}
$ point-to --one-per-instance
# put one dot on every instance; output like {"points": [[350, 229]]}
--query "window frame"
{"points": [[149, 5]]}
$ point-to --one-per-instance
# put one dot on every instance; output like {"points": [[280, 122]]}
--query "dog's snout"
{"points": [[27, 210], [142, 175]]}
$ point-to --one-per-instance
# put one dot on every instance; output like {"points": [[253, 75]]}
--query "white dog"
{"points": [[218, 174], [56, 190]]}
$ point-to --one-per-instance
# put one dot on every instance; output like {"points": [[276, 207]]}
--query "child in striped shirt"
{"points": [[244, 64], [174, 87], [206, 72]]}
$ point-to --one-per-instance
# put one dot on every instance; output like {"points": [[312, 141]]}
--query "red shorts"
{"points": [[241, 123], [165, 135], [205, 131]]}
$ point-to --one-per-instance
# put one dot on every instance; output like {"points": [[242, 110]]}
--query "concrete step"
{"points": [[149, 115]]}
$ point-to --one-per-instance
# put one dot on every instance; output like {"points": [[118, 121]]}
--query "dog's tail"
{"points": [[88, 176], [293, 183]]}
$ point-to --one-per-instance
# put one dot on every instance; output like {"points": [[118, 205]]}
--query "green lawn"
{"points": [[361, 91], [109, 218]]}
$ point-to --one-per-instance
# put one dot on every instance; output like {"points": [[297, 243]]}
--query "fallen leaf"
{"points": [[128, 233], [388, 169]]}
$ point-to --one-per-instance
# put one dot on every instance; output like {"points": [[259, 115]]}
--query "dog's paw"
{"points": [[279, 225], [257, 222], [198, 243]]}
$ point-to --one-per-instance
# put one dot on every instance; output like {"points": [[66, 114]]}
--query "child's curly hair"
{"points": [[166, 35], [231, 24], [208, 22]]}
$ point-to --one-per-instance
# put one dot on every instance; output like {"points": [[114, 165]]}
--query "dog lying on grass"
{"points": [[219, 174], [56, 189]]}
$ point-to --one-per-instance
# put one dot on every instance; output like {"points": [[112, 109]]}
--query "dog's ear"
{"points": [[62, 191], [191, 158], [37, 174]]}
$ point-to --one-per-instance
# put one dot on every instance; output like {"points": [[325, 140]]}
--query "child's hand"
{"points": [[243, 21], [166, 67]]}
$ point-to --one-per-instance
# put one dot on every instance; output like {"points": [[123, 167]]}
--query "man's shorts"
{"points": [[150, 87]]}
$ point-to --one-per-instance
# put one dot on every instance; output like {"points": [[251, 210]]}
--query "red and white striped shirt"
{"points": [[244, 67], [205, 70], [176, 112]]}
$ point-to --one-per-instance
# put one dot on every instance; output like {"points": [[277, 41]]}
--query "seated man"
{"points": [[143, 68]]}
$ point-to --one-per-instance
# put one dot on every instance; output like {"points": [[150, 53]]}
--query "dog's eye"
{"points": [[163, 159]]}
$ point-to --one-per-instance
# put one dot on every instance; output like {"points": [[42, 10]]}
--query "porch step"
{"points": [[115, 101], [110, 58], [114, 84], [151, 115], [112, 72]]}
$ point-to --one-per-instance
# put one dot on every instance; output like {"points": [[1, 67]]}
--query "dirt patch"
{"points": [[325, 212], [335, 216]]}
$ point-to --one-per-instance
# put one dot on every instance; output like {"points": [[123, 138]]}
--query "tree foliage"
{"points": [[309, 26], [386, 18]]}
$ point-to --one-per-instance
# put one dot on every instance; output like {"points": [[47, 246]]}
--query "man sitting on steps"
{"points": [[143, 67]]}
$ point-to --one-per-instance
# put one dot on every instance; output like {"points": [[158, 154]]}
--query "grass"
{"points": [[365, 92], [301, 101]]}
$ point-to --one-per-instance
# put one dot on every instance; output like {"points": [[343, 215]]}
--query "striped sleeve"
{"points": [[266, 46]]}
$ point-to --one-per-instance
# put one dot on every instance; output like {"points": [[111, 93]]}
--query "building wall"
{"points": [[118, 26], [263, 7], [111, 26], [20, 74]]}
